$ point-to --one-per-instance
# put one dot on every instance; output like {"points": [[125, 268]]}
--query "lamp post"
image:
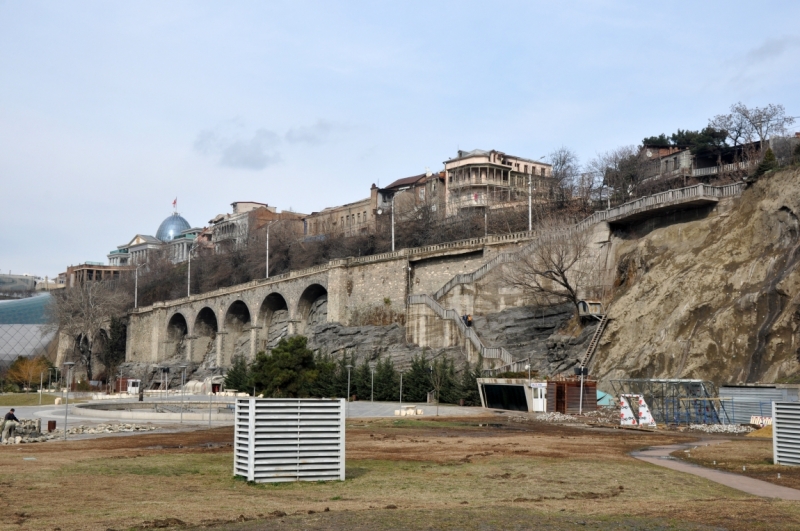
{"points": [[530, 203], [183, 387], [348, 367], [68, 365], [136, 287], [268, 227], [530, 389], [189, 271], [41, 376], [372, 385], [401, 393]]}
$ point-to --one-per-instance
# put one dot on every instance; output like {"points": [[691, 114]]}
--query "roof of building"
{"points": [[484, 153], [30, 310], [410, 181], [171, 227]]}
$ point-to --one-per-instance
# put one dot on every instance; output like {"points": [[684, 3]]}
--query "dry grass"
{"points": [[448, 474], [754, 454]]}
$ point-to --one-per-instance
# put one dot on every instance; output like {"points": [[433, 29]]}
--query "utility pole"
{"points": [[530, 203]]}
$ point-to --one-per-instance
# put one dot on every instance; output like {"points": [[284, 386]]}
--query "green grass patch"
{"points": [[30, 399]]}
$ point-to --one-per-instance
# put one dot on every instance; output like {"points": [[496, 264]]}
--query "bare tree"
{"points": [[555, 271], [750, 124], [566, 168], [81, 312], [618, 170]]}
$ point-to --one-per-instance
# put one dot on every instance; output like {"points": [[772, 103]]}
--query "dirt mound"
{"points": [[765, 432]]}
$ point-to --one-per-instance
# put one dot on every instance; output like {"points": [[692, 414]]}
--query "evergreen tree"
{"points": [[468, 385], [362, 380], [769, 163], [387, 381], [417, 380], [449, 390], [288, 372], [238, 375], [323, 386]]}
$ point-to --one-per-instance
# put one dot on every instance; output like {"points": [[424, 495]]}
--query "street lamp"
{"points": [[268, 226], [68, 365], [136, 287], [401, 393], [372, 385], [183, 387], [530, 389], [348, 367], [41, 376]]}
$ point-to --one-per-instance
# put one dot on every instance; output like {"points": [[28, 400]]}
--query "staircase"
{"points": [[594, 342], [638, 207], [467, 332]]}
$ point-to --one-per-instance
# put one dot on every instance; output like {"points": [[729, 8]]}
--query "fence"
{"points": [[786, 433], [293, 439]]}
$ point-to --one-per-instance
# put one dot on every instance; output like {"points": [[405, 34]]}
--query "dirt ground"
{"points": [[459, 473]]}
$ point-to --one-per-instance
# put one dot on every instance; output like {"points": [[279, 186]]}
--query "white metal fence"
{"points": [[786, 433], [291, 439]]}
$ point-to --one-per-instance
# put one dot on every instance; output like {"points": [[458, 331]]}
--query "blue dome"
{"points": [[171, 227]]}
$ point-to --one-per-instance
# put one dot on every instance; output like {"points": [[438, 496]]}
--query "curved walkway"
{"points": [[660, 455]]}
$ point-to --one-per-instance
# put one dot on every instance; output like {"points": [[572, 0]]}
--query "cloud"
{"points": [[315, 134], [237, 149], [771, 49]]}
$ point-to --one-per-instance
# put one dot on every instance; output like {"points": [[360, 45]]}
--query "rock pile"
{"points": [[721, 428], [557, 417], [29, 431]]}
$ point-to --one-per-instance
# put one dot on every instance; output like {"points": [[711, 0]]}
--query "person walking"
{"points": [[469, 321]]}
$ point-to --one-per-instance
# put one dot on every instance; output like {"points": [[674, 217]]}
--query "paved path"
{"points": [[659, 455]]}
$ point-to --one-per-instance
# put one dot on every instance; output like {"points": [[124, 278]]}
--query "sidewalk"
{"points": [[659, 455]]}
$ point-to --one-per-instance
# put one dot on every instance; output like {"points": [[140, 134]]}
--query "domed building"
{"points": [[172, 227], [174, 237]]}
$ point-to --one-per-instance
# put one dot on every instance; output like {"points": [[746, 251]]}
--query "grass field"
{"points": [[401, 474], [27, 399]]}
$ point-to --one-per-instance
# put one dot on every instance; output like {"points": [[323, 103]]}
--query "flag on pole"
{"points": [[175, 203]]}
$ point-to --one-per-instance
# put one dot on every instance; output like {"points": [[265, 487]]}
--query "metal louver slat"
{"points": [[786, 433], [279, 440]]}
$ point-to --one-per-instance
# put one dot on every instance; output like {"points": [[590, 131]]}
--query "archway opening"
{"points": [[312, 308], [237, 342], [177, 329], [274, 316], [205, 331]]}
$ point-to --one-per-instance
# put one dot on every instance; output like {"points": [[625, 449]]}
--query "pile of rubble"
{"points": [[30, 431], [721, 428], [558, 417], [110, 428]]}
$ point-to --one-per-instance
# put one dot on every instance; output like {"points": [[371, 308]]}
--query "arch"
{"points": [[237, 341], [205, 324], [274, 319], [177, 328], [312, 308], [205, 331]]}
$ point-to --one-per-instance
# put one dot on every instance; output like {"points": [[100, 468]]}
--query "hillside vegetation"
{"points": [[711, 294]]}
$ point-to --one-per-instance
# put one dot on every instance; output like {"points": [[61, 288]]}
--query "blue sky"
{"points": [[109, 110]]}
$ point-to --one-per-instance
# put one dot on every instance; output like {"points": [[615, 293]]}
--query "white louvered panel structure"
{"points": [[786, 433], [292, 439]]}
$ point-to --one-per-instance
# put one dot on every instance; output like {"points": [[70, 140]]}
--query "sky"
{"points": [[111, 110]]}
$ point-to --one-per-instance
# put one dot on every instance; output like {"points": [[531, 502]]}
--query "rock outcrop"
{"points": [[711, 294]]}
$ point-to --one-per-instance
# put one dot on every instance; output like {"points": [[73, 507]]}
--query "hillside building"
{"points": [[493, 179]]}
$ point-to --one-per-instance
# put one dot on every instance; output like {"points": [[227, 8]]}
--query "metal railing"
{"points": [[466, 331], [626, 209]]}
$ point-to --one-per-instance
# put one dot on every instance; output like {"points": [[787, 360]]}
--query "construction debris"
{"points": [[721, 428], [29, 431]]}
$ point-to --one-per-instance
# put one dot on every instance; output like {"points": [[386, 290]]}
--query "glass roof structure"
{"points": [[23, 328], [171, 227]]}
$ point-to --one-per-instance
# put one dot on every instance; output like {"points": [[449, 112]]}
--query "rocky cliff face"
{"points": [[530, 331], [711, 294]]}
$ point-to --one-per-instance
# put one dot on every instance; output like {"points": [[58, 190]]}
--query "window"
{"points": [[542, 172], [526, 169], [365, 216], [422, 193], [358, 218]]}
